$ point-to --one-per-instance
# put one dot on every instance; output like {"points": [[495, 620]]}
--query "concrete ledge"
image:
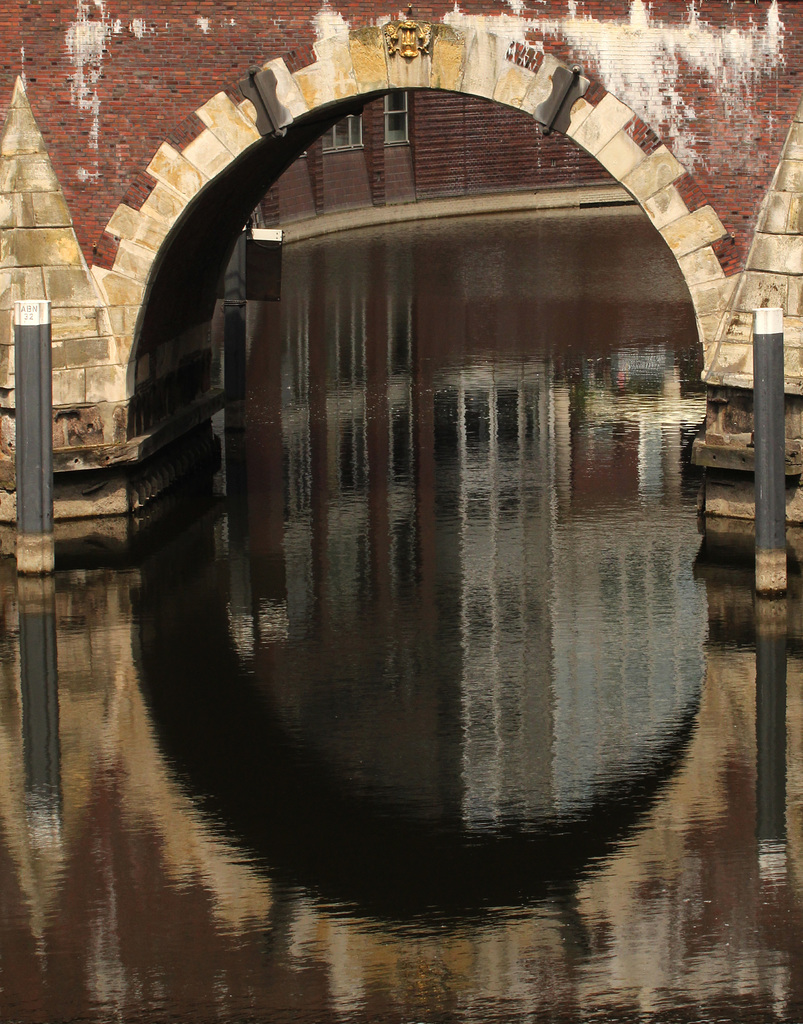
{"points": [[742, 457], [70, 460], [463, 206]]}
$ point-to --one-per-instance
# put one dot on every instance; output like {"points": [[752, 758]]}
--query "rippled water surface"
{"points": [[425, 708]]}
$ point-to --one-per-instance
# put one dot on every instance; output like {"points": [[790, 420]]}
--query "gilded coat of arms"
{"points": [[408, 38]]}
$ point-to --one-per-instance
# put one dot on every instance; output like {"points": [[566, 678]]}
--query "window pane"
{"points": [[396, 128], [355, 127], [342, 134]]}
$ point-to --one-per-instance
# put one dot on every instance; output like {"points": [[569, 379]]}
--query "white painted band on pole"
{"points": [[31, 312], [768, 321]]}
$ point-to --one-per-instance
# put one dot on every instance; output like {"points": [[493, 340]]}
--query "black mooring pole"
{"points": [[234, 313], [40, 702], [770, 446], [33, 385], [771, 735]]}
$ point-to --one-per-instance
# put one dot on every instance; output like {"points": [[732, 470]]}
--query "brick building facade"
{"points": [[436, 147]]}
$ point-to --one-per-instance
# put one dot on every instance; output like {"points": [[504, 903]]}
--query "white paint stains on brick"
{"points": [[139, 27], [643, 62], [86, 41], [330, 24], [203, 24]]}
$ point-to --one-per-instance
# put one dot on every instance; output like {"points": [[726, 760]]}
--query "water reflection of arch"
{"points": [[316, 563], [386, 360]]}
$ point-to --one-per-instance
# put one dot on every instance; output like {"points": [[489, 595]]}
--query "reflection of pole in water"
{"points": [[40, 706], [771, 735]]}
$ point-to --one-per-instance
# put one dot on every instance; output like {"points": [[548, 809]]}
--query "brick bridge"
{"points": [[129, 163]]}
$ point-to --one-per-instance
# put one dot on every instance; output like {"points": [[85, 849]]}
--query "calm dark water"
{"points": [[425, 709]]}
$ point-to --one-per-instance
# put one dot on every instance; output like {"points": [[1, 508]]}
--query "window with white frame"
{"points": [[346, 134], [396, 118]]}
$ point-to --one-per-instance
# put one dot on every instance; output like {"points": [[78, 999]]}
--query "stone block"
{"points": [[73, 322], [21, 133], [735, 358], [792, 332], [163, 204], [794, 225], [6, 366], [135, 226], [6, 327], [739, 328], [28, 174], [8, 217], [134, 261], [367, 47], [693, 231], [69, 387], [82, 352], [707, 329], [793, 148], [621, 155], [37, 247], [70, 286], [57, 361], [106, 383], [50, 210], [760, 290], [123, 319], [18, 284], [794, 296], [789, 177], [513, 85], [22, 204], [330, 78], [409, 74], [208, 154], [701, 266], [581, 109], [713, 297], [448, 58], [775, 215], [604, 121], [485, 61], [228, 124], [79, 428], [540, 84], [655, 172], [792, 367], [170, 167], [287, 92], [117, 289], [781, 254]]}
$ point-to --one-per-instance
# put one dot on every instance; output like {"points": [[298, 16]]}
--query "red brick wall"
{"points": [[155, 61], [459, 146], [467, 146]]}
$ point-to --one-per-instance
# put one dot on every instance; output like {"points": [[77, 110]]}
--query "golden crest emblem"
{"points": [[407, 38]]}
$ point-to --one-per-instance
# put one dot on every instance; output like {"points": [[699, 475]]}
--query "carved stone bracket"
{"points": [[407, 38]]}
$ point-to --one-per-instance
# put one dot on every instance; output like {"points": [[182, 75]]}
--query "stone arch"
{"points": [[185, 202]]}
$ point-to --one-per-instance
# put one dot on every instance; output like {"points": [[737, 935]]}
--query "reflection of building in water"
{"points": [[628, 619], [504, 486], [516, 525]]}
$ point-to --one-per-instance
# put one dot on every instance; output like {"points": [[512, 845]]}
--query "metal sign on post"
{"points": [[34, 430], [769, 436]]}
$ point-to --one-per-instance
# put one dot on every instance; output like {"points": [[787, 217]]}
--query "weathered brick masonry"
{"points": [[109, 81], [129, 161]]}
